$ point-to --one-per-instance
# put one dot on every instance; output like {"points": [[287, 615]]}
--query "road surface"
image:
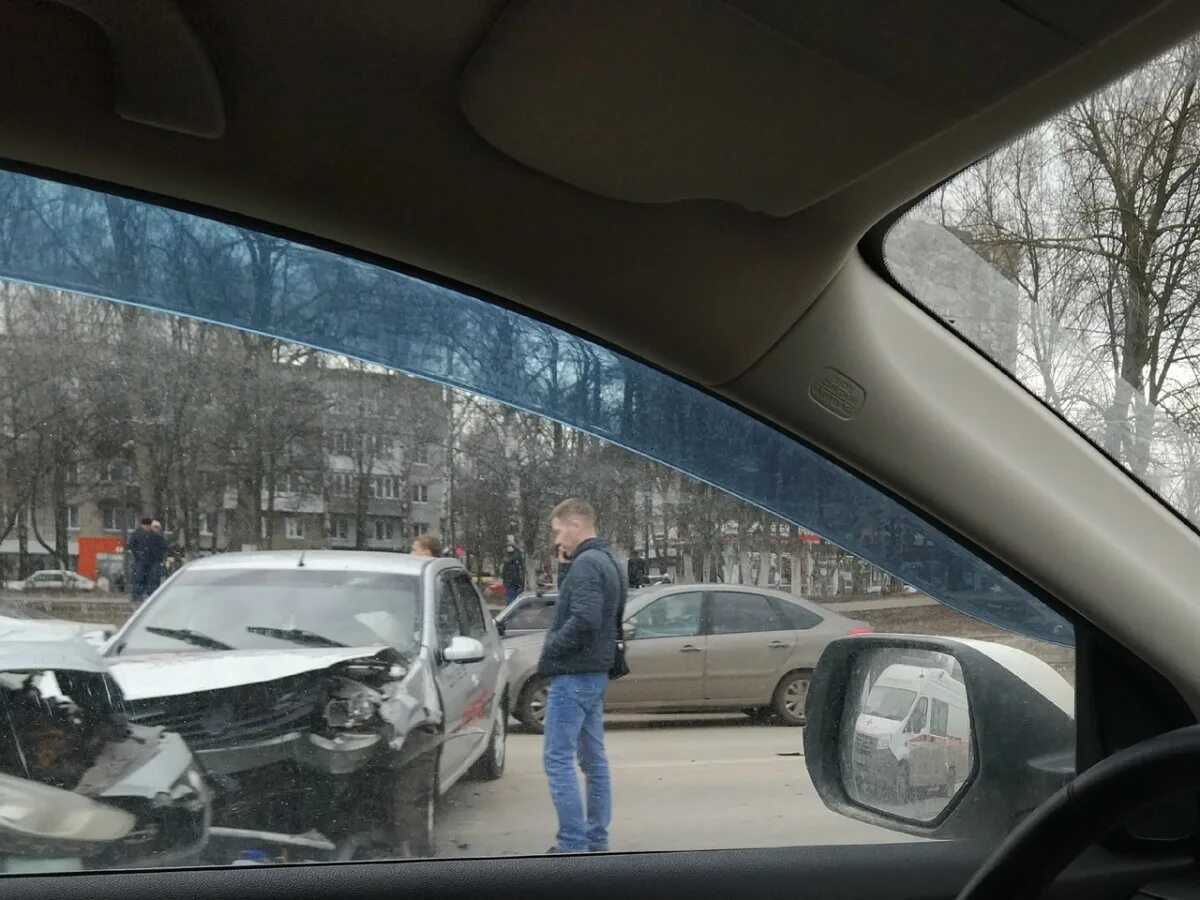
{"points": [[678, 783]]}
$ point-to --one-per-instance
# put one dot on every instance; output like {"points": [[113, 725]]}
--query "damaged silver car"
{"points": [[80, 785], [331, 696]]}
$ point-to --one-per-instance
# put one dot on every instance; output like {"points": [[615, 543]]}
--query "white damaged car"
{"points": [[329, 692]]}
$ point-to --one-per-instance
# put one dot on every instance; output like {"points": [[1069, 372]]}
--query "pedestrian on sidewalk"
{"points": [[512, 572], [146, 549], [426, 545], [578, 654]]}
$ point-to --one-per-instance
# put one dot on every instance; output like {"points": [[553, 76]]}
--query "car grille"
{"points": [[235, 716]]}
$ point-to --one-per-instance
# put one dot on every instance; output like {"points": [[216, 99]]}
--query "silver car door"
{"points": [[748, 648], [482, 675], [665, 654], [454, 683]]}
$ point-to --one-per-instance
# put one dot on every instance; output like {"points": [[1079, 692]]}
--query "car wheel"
{"points": [[791, 698], [414, 810], [532, 708], [490, 766]]}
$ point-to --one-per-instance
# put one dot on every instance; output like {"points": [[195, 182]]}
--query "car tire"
{"points": [[531, 709], [490, 766], [414, 811], [791, 698]]}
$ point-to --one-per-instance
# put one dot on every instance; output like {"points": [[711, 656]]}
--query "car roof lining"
{"points": [[384, 160]]}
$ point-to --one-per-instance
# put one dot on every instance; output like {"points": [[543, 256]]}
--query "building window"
{"points": [[419, 528], [383, 487], [420, 493], [113, 518], [204, 525], [72, 518], [421, 455], [383, 530], [293, 527], [339, 527]]}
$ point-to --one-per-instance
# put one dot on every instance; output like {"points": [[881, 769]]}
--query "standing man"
{"points": [[578, 653], [637, 570], [138, 547], [426, 545], [512, 572]]}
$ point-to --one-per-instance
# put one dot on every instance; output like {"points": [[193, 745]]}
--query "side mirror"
{"points": [[996, 738], [628, 631], [464, 650], [501, 628]]}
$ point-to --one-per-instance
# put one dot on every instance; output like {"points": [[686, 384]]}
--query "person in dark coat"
{"points": [[512, 573], [638, 570], [147, 550], [577, 655]]}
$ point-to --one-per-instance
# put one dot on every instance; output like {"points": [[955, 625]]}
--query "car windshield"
{"points": [[270, 609], [889, 702], [1071, 258]]}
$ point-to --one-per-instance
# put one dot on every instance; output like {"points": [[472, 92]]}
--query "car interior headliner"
{"points": [[681, 178]]}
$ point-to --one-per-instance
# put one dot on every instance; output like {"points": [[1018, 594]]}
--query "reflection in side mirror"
{"points": [[937, 737], [464, 650], [628, 631], [907, 743]]}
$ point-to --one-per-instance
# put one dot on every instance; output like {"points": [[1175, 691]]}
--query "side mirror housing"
{"points": [[628, 631], [937, 737], [501, 628], [464, 650]]}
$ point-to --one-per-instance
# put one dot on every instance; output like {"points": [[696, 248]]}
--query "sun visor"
{"points": [[665, 100]]}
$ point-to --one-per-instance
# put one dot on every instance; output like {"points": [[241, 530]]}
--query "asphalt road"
{"points": [[678, 783]]}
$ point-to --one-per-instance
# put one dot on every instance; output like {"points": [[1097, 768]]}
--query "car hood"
{"points": [[12, 628], [169, 674], [27, 655], [875, 726]]}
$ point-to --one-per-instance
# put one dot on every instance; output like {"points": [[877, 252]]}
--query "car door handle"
{"points": [[689, 648], [778, 645]]}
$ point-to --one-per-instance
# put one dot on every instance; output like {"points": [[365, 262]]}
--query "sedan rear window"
{"points": [[313, 608]]}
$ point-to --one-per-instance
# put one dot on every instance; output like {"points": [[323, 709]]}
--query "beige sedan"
{"points": [[701, 648]]}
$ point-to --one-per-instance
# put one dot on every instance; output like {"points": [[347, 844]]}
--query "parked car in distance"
{"points": [[528, 613], [334, 691], [20, 622], [56, 580], [701, 648], [80, 785]]}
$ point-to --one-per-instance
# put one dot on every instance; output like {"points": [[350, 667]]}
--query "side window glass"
{"points": [[532, 614], [470, 609], [939, 718], [796, 616], [677, 615], [738, 613], [448, 625], [916, 722]]}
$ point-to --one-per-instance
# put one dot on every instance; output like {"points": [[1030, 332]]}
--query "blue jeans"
{"points": [[575, 728], [510, 593]]}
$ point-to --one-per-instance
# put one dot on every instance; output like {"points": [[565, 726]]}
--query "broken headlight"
{"points": [[351, 704], [37, 812]]}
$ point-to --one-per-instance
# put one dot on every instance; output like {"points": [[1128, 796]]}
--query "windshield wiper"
{"points": [[295, 635], [191, 637]]}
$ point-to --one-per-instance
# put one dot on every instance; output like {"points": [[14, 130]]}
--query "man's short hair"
{"points": [[430, 543], [574, 508], [146, 521]]}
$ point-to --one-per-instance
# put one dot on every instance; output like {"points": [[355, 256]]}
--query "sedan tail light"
{"points": [[866, 630]]}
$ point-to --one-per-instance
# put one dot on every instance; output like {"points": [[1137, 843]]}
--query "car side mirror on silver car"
{"points": [[937, 737], [464, 650], [628, 631]]}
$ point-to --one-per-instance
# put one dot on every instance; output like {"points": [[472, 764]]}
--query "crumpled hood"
{"points": [[170, 674]]}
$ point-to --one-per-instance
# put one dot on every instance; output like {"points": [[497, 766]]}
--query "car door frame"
{"points": [[784, 658], [453, 683], [486, 677], [700, 640]]}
